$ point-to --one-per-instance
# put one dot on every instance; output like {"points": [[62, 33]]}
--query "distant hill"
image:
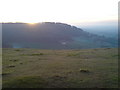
{"points": [[50, 35]]}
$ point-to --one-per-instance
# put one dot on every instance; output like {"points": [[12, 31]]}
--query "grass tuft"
{"points": [[11, 66], [73, 54], [37, 54], [5, 73], [17, 50], [84, 70]]}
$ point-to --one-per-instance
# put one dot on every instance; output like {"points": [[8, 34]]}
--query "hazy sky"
{"points": [[66, 11]]}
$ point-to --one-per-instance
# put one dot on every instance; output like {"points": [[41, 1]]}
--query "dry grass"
{"points": [[61, 68]]}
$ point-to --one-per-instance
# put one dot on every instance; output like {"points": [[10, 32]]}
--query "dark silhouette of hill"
{"points": [[50, 35]]}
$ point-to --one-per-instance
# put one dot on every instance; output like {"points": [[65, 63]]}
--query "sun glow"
{"points": [[32, 23]]}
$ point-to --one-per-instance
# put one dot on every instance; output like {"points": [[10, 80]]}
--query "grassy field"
{"points": [[35, 68]]}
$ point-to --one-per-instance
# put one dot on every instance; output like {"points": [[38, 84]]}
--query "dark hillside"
{"points": [[50, 35]]}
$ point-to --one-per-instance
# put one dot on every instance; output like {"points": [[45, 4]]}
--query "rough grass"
{"points": [[37, 54], [36, 68], [24, 82]]}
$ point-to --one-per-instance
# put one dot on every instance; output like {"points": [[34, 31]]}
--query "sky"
{"points": [[65, 11]]}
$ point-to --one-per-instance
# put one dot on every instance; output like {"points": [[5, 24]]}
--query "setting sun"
{"points": [[32, 23]]}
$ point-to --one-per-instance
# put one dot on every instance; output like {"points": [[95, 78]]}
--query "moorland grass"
{"points": [[25, 82], [60, 68]]}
